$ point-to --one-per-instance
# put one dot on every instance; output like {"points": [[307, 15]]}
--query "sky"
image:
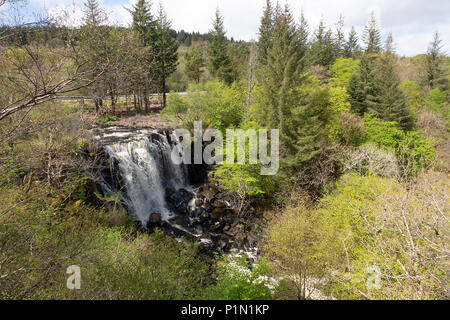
{"points": [[411, 22]]}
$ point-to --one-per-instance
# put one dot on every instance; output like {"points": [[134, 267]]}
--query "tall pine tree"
{"points": [[144, 27], [351, 46], [372, 36], [219, 62], [361, 87], [390, 103], [433, 64], [166, 51], [265, 33], [194, 63]]}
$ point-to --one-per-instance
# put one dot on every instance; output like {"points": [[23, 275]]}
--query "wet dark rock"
{"points": [[206, 244], [217, 213], [216, 227], [209, 207], [155, 218], [220, 204], [222, 244]]}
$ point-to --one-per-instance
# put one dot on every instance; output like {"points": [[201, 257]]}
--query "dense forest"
{"points": [[358, 210]]}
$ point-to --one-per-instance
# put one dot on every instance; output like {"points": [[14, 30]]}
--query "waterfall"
{"points": [[145, 168]]}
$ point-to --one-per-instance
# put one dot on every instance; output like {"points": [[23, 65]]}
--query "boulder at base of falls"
{"points": [[154, 220], [220, 204], [217, 213]]}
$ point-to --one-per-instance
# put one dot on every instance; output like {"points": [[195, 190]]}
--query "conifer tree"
{"points": [[303, 34], [194, 64], [433, 63], [372, 36], [219, 62], [143, 22], [282, 69], [340, 36], [361, 88], [93, 46], [265, 33], [144, 27], [390, 103], [351, 46], [166, 51], [323, 48], [93, 14]]}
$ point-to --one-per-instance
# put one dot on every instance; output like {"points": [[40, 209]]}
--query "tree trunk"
{"points": [[146, 100], [135, 102], [113, 103], [164, 92]]}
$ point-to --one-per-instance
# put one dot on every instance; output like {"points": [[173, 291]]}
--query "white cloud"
{"points": [[411, 22]]}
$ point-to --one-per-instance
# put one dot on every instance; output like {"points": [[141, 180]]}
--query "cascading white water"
{"points": [[146, 169]]}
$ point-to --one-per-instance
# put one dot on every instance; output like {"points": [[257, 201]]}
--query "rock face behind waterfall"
{"points": [[140, 168], [156, 192]]}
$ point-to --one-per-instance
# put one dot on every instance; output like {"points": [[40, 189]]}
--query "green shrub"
{"points": [[384, 134], [415, 153], [342, 69], [215, 104], [107, 118], [238, 280]]}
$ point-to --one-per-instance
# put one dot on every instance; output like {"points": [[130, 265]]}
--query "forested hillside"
{"points": [[359, 208]]}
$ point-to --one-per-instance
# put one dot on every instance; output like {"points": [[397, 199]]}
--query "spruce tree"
{"points": [[94, 48], [194, 64], [372, 36], [390, 104], [143, 22], [281, 72], [303, 34], [265, 33], [340, 36], [144, 27], [433, 63], [351, 46], [166, 51], [93, 14], [219, 62], [362, 88], [323, 48]]}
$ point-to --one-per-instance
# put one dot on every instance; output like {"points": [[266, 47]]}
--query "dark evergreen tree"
{"points": [[361, 88], [194, 64], [340, 36], [145, 29], [390, 103], [93, 14], [433, 64], [282, 70], [166, 51], [303, 34], [219, 62], [372, 36], [265, 33], [143, 22], [351, 46], [323, 47], [94, 48]]}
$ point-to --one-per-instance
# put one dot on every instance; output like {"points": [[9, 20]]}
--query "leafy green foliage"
{"points": [[341, 71], [237, 280], [413, 151], [216, 104]]}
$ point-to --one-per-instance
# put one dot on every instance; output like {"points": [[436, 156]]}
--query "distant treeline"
{"points": [[24, 35]]}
